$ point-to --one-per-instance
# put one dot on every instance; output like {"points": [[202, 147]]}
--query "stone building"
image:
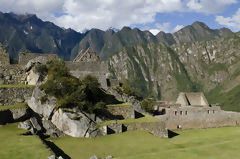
{"points": [[4, 60], [192, 110]]}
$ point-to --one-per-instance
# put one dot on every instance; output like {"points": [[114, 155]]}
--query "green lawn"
{"points": [[15, 146], [145, 119], [216, 143], [15, 106], [15, 86]]}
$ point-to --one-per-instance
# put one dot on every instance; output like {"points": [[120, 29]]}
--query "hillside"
{"points": [[28, 32], [163, 71]]}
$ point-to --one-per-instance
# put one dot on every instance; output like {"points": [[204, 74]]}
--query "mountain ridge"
{"points": [[28, 32]]}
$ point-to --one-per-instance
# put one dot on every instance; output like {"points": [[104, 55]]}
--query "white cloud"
{"points": [[209, 6], [154, 31], [177, 28], [86, 14], [165, 27], [231, 22], [102, 14]]}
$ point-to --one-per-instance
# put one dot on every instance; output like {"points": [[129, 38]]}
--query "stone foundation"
{"points": [[10, 96], [122, 112], [155, 128]]}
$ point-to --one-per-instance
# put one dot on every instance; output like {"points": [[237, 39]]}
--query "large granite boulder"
{"points": [[32, 76], [43, 108], [75, 124]]}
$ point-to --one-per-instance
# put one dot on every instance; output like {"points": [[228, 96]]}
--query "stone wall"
{"points": [[199, 117], [123, 112], [155, 128], [12, 74], [25, 57], [9, 96], [81, 69], [4, 60]]}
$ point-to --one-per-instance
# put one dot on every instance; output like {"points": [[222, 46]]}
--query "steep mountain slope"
{"points": [[109, 42], [163, 71], [27, 32]]}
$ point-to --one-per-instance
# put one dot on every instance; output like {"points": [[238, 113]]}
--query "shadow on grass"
{"points": [[172, 134]]}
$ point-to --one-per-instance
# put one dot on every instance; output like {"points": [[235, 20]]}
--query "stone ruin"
{"points": [[87, 56], [4, 60], [192, 110]]}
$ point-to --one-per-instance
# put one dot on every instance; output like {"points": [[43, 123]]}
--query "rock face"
{"points": [[75, 124], [45, 108], [32, 76]]}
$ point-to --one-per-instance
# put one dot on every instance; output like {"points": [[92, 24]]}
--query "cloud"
{"points": [[177, 28], [86, 14], [209, 6], [231, 22], [165, 27]]}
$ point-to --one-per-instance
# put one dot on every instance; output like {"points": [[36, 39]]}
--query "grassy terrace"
{"points": [[15, 106], [215, 143], [119, 105], [145, 119], [15, 86], [13, 145]]}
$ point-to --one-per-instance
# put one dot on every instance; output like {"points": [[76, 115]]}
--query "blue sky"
{"points": [[153, 15]]}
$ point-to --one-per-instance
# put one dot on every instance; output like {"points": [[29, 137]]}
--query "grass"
{"points": [[215, 143], [145, 119], [15, 146], [120, 105], [15, 86], [15, 106]]}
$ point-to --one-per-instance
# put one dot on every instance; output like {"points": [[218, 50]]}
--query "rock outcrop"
{"points": [[32, 76], [75, 124], [43, 108]]}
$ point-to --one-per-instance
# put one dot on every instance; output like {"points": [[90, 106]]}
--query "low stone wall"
{"points": [[200, 118], [24, 58], [13, 115], [10, 96], [122, 111], [12, 74], [155, 128]]}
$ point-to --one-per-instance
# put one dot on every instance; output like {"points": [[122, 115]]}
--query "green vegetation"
{"points": [[15, 106], [148, 104], [228, 101], [119, 105], [15, 86], [14, 145], [145, 119], [216, 143], [70, 91]]}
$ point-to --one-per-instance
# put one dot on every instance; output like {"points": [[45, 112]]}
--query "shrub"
{"points": [[148, 104], [70, 91]]}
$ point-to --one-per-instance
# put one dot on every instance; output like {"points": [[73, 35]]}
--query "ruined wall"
{"points": [[122, 111], [12, 74], [25, 57], [155, 128], [4, 60], [199, 117], [81, 69], [9, 96]]}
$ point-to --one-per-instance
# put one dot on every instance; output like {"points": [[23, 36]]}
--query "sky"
{"points": [[153, 15]]}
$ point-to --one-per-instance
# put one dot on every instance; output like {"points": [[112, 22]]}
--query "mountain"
{"points": [[162, 71], [109, 42], [27, 32]]}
